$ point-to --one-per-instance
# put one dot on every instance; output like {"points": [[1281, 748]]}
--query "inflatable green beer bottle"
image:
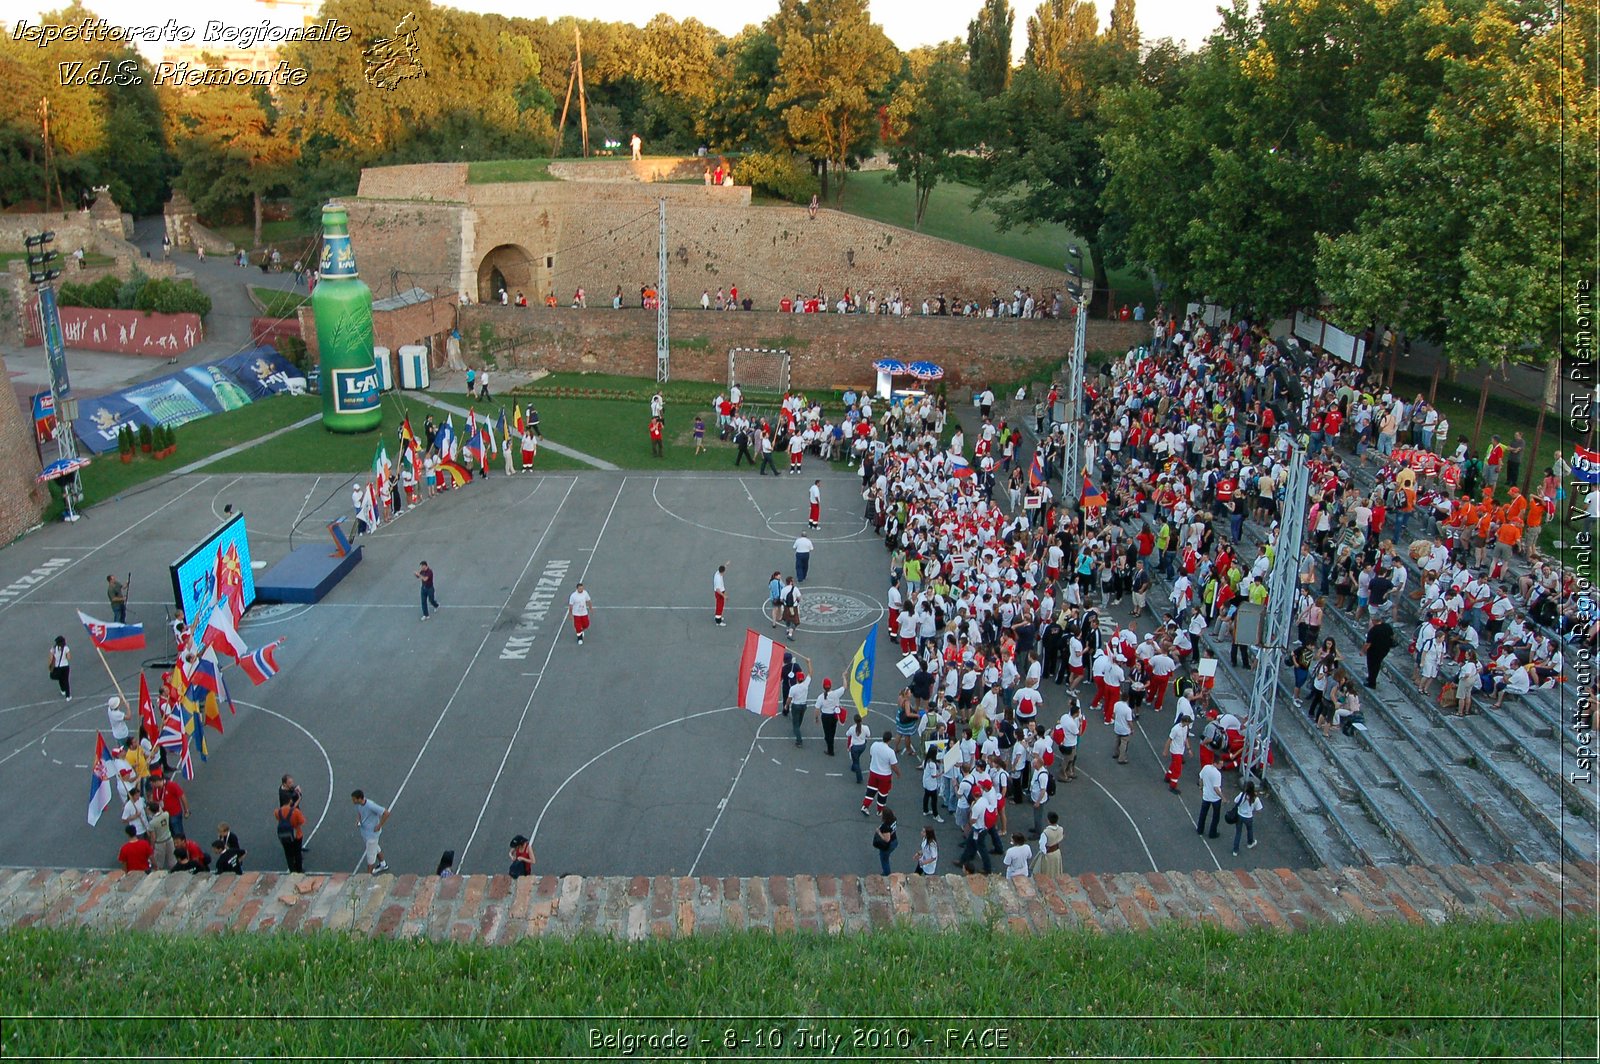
{"points": [[342, 308]]}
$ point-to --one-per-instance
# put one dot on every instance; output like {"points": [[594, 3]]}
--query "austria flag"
{"points": [[108, 635], [760, 686], [1585, 465]]}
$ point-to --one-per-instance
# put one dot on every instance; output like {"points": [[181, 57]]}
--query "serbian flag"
{"points": [[760, 685], [221, 634], [108, 635], [262, 665], [1091, 494], [100, 776], [147, 710], [1036, 471], [1585, 465]]}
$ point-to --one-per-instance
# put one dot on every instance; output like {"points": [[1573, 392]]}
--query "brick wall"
{"points": [[499, 910], [422, 181], [21, 500], [555, 236], [626, 170], [129, 332], [825, 349], [419, 323]]}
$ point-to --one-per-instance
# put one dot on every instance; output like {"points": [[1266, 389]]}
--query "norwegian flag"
{"points": [[760, 686], [262, 665]]}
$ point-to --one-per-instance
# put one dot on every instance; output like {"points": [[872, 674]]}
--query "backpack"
{"points": [[285, 825]]}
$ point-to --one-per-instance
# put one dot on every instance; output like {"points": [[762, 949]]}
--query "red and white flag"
{"points": [[222, 635], [760, 684]]}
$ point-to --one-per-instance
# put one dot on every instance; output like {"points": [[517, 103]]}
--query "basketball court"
{"points": [[625, 755]]}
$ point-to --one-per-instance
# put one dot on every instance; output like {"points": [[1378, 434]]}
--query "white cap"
{"points": [[113, 702]]}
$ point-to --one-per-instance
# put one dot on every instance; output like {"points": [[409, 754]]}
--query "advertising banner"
{"points": [[177, 398]]}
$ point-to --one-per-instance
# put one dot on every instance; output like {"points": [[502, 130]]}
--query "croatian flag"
{"points": [[108, 635], [101, 775], [261, 665], [1585, 465], [760, 685]]}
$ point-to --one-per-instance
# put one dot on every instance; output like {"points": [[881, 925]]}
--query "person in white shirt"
{"points": [[882, 769], [1247, 805], [856, 738], [1018, 857], [1210, 798], [1177, 747], [579, 603], [931, 773], [1039, 790], [1122, 726], [928, 853], [719, 592], [1068, 729]]}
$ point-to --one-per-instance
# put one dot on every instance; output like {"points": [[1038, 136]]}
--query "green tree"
{"points": [[1061, 34], [834, 67], [989, 49], [676, 65], [231, 155], [1124, 28], [1463, 240], [738, 117], [930, 118]]}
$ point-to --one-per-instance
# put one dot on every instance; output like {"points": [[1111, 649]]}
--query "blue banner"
{"points": [[55, 348], [177, 398]]}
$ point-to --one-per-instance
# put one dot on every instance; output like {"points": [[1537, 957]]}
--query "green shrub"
{"points": [[164, 296], [102, 294], [146, 438], [294, 349], [128, 292], [778, 174]]}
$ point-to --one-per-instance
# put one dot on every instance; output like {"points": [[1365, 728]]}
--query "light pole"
{"points": [[1072, 424]]}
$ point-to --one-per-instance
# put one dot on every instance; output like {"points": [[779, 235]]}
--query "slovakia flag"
{"points": [[760, 682], [1585, 465], [108, 635]]}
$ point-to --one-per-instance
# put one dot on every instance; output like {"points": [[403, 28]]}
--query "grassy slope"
{"points": [[1464, 989], [276, 303], [490, 171], [952, 215]]}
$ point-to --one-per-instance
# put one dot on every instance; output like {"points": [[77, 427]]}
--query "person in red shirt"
{"points": [[1332, 424], [175, 802], [136, 853], [655, 438]]}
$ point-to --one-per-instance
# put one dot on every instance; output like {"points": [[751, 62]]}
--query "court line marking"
{"points": [[328, 803], [1193, 742], [1131, 822], [555, 641], [92, 550], [752, 499], [303, 504], [611, 749], [395, 800], [745, 535], [218, 494], [722, 806]]}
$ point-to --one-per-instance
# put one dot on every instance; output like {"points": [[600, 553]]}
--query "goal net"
{"points": [[761, 370]]}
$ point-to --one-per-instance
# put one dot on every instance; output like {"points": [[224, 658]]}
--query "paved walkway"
{"points": [[498, 909]]}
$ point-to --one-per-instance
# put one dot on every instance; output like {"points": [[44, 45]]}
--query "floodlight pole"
{"points": [[1072, 426], [1277, 620], [663, 350]]}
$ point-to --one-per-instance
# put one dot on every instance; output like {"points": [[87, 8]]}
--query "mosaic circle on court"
{"points": [[832, 609]]}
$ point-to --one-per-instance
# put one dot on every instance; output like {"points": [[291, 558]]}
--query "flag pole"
{"points": [[111, 674]]}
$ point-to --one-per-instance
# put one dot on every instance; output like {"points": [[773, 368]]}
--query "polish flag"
{"points": [[760, 686], [222, 635]]}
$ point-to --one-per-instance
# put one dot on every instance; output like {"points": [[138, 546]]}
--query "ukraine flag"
{"points": [[858, 681]]}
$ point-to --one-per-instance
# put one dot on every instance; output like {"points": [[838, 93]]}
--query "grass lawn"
{"points": [[284, 232], [90, 258], [276, 303], [1462, 990], [107, 477], [491, 171], [952, 216]]}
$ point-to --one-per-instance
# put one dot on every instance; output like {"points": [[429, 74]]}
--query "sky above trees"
{"points": [[908, 23]]}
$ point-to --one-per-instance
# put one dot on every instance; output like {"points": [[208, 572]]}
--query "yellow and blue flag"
{"points": [[858, 681]]}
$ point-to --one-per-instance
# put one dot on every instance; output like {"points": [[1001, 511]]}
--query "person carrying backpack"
{"points": [[291, 823]]}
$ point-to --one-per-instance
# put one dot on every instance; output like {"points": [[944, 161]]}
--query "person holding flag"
{"points": [[530, 444], [858, 681], [502, 431]]}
